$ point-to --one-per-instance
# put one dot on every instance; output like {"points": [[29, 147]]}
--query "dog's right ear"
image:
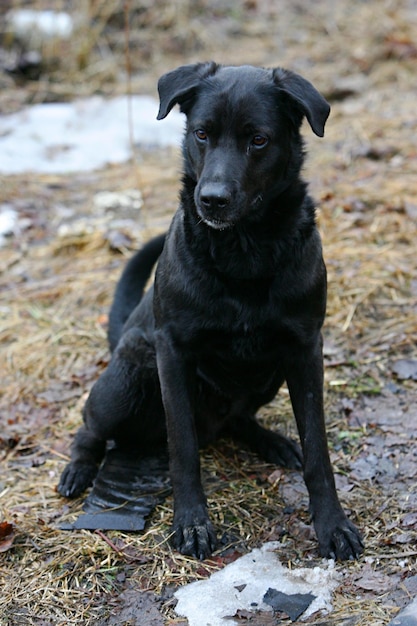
{"points": [[180, 85]]}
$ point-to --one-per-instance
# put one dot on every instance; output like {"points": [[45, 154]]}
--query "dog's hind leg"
{"points": [[124, 405], [101, 415], [270, 446]]}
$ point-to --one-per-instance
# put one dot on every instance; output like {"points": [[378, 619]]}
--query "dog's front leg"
{"points": [[337, 536], [193, 533]]}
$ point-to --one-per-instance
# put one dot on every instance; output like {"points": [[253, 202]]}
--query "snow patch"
{"points": [[60, 138], [35, 26], [8, 222], [243, 584]]}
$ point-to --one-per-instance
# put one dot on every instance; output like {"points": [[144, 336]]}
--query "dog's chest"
{"points": [[243, 331], [241, 359], [246, 341]]}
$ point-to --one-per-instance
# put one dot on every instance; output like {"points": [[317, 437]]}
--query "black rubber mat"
{"points": [[125, 492]]}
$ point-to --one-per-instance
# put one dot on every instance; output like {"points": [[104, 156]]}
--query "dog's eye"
{"points": [[201, 134], [259, 141]]}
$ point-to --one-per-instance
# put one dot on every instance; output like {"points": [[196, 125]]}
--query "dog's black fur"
{"points": [[236, 309]]}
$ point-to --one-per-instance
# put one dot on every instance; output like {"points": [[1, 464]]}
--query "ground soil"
{"points": [[58, 273]]}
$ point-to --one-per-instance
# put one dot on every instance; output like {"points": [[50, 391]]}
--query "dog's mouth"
{"points": [[216, 224]]}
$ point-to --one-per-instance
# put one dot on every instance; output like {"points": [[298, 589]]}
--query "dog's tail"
{"points": [[130, 288]]}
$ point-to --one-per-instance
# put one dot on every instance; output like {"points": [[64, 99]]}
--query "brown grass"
{"points": [[56, 291]]}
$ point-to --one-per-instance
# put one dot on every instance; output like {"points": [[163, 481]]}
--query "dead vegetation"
{"points": [[56, 286]]}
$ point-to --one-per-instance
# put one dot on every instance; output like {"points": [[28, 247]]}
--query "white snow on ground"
{"points": [[8, 222], [209, 602], [28, 24], [83, 135]]}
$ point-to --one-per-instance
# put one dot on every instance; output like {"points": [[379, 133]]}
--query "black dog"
{"points": [[236, 309]]}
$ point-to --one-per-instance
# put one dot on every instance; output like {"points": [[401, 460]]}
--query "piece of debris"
{"points": [[293, 605], [126, 490]]}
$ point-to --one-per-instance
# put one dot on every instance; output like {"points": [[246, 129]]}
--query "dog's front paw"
{"points": [[75, 478], [340, 541], [194, 534]]}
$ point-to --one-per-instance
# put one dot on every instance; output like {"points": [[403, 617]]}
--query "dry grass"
{"points": [[56, 291]]}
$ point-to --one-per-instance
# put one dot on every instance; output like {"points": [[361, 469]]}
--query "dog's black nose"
{"points": [[214, 196]]}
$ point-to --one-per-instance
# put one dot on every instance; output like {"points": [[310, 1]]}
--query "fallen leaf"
{"points": [[411, 210], [136, 607], [300, 531], [409, 520], [403, 538], [400, 46], [6, 536], [275, 477], [103, 319], [371, 580], [364, 468], [257, 618], [405, 369]]}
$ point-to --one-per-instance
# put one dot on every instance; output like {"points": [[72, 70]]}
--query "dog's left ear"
{"points": [[309, 100], [180, 85]]}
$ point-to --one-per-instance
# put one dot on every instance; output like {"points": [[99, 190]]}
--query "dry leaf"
{"points": [[405, 369], [370, 580], [6, 536]]}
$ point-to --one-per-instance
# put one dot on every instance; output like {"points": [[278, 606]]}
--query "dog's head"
{"points": [[242, 145]]}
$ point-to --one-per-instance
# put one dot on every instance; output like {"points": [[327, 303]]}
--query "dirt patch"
{"points": [[56, 285]]}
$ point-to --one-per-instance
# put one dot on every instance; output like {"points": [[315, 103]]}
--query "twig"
{"points": [[110, 543], [129, 76]]}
